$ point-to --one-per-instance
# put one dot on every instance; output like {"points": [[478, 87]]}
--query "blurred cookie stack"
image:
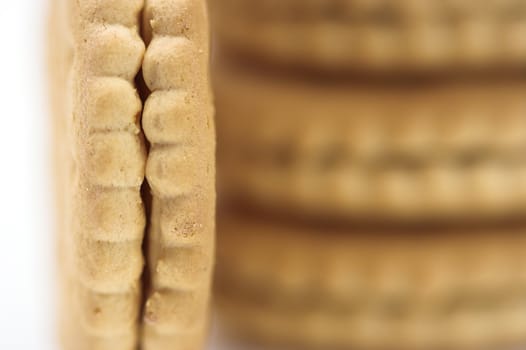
{"points": [[372, 172]]}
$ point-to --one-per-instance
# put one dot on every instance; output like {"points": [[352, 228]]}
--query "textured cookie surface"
{"points": [[342, 265], [178, 123], [375, 35], [499, 325], [100, 161], [346, 287], [361, 150]]}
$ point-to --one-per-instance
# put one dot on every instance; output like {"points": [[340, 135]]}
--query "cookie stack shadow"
{"points": [[371, 172]]}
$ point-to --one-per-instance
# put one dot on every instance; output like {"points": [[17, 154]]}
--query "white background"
{"points": [[27, 319], [26, 246]]}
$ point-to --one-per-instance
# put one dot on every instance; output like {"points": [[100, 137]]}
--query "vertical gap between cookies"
{"points": [[146, 195]]}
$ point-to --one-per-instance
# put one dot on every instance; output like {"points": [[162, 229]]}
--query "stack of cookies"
{"points": [[135, 171], [372, 172]]}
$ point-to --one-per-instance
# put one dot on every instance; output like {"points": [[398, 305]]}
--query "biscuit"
{"points": [[291, 282], [375, 36], [368, 120], [355, 149], [342, 265], [486, 191], [100, 158], [496, 326], [178, 124]]}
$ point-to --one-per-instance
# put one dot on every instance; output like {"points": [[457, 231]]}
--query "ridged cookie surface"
{"points": [[410, 288], [369, 150], [178, 124], [338, 265], [375, 36], [476, 327], [100, 165]]}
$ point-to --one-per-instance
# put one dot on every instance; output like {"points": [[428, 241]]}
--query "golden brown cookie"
{"points": [[343, 265], [360, 150], [178, 124], [379, 36], [412, 288], [100, 159], [497, 325]]}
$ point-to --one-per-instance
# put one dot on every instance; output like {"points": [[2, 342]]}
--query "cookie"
{"points": [[415, 288], [486, 191], [370, 121], [341, 265], [375, 36], [178, 124], [360, 150], [497, 326], [100, 158]]}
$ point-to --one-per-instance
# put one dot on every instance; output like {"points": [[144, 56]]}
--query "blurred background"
{"points": [[26, 245], [371, 172], [371, 175]]}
